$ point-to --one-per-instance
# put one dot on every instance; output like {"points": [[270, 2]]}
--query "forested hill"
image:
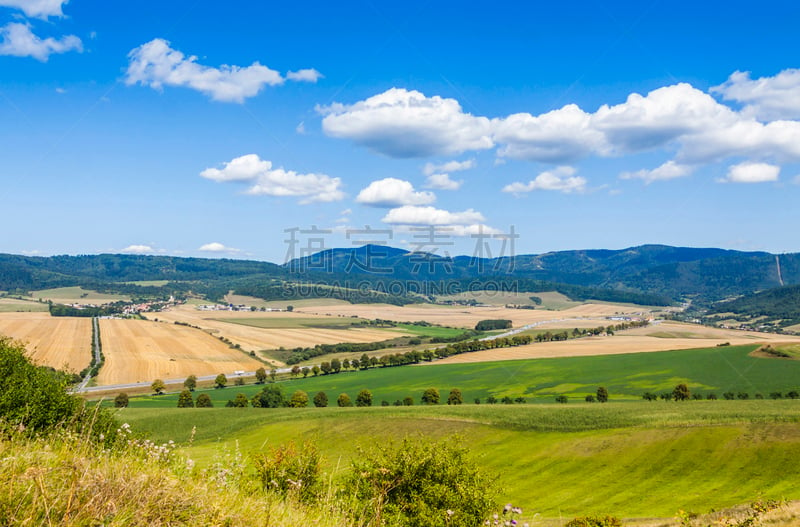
{"points": [[647, 274], [703, 275], [780, 304]]}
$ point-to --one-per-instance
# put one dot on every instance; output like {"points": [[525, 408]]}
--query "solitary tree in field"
{"points": [[430, 396], [455, 397], [299, 399], [204, 401], [602, 394], [185, 399], [240, 401], [295, 370], [562, 399], [158, 386], [261, 376], [121, 400], [681, 392], [273, 374], [190, 383], [344, 400], [336, 365], [221, 381], [305, 371], [315, 370], [408, 401], [321, 400], [364, 398]]}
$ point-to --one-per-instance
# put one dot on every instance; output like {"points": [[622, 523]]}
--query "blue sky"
{"points": [[208, 129]]}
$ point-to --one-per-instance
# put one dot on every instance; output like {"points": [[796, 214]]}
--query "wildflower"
{"points": [[450, 512]]}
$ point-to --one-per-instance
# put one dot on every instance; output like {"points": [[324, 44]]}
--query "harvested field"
{"points": [[659, 337], [281, 304], [141, 351], [253, 338], [61, 342], [467, 317]]}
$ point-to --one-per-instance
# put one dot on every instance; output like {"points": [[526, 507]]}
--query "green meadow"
{"points": [[632, 460], [708, 370]]}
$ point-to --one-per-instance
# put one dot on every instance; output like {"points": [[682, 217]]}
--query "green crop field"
{"points": [[627, 377], [632, 460], [294, 323], [431, 331], [13, 305], [76, 294]]}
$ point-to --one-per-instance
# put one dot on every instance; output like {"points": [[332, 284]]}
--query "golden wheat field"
{"points": [[61, 342], [467, 316], [141, 351], [254, 338], [659, 337]]}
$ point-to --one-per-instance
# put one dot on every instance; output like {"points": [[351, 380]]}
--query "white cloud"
{"points": [[557, 136], [413, 215], [216, 247], [751, 173], [392, 192], [156, 64], [450, 166], [19, 41], [767, 98], [669, 170], [37, 8], [561, 179], [306, 75], [442, 182], [403, 123], [138, 249], [266, 180]]}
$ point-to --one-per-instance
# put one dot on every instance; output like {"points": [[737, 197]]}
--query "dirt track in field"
{"points": [[141, 351], [64, 343]]}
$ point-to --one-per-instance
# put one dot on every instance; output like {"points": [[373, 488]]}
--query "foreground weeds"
{"points": [[65, 480]]}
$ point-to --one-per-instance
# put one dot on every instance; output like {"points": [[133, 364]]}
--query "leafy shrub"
{"points": [[681, 392], [321, 400], [299, 399], [649, 396], [344, 400], [589, 398], [430, 396], [595, 521], [419, 483], [271, 396], [793, 394], [408, 401], [289, 471], [488, 325], [455, 397], [121, 400], [562, 399], [491, 400], [204, 401], [728, 396], [364, 398], [602, 394], [185, 399], [240, 401]]}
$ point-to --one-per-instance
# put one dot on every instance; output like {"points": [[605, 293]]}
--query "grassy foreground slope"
{"points": [[632, 460], [717, 370]]}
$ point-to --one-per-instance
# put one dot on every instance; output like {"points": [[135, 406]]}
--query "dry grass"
{"points": [[140, 351], [70, 295], [467, 317], [659, 337], [67, 482], [254, 338], [61, 342]]}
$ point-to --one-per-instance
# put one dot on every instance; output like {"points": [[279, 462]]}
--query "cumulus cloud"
{"points": [[748, 172], [306, 75], [450, 166], [414, 215], [669, 170], [18, 40], [442, 182], [266, 180], [138, 249], [392, 192], [37, 8], [553, 137], [216, 247], [562, 179], [766, 98], [402, 123], [156, 64]]}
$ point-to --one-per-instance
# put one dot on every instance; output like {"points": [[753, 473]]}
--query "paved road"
{"points": [[96, 350], [128, 386]]}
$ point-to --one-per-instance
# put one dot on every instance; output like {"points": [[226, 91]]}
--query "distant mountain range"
{"points": [[644, 274]]}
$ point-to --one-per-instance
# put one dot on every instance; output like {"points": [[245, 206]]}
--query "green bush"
{"points": [[364, 398], [419, 483], [430, 396], [488, 325], [321, 400], [185, 399], [271, 396], [289, 471], [204, 401], [121, 400], [562, 399], [595, 521]]}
